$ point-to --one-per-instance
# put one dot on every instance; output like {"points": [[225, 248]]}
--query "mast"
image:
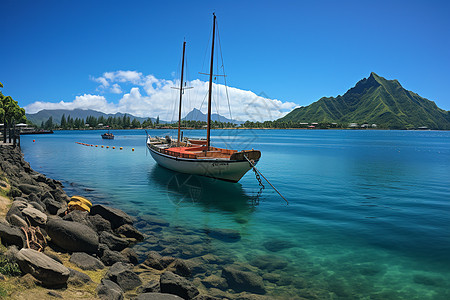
{"points": [[208, 130], [181, 95]]}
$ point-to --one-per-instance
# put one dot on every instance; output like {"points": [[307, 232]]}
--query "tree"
{"points": [[49, 124], [157, 120], [63, 122], [10, 111]]}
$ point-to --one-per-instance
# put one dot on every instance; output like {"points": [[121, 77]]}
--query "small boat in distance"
{"points": [[198, 157], [108, 135]]}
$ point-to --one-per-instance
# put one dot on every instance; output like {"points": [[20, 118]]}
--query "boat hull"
{"points": [[219, 169]]}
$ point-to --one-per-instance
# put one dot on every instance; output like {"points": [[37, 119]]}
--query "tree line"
{"points": [[10, 113]]}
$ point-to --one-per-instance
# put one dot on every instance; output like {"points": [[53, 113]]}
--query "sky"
{"points": [[124, 56]]}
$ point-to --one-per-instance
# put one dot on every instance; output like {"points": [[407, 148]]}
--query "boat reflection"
{"points": [[186, 189]]}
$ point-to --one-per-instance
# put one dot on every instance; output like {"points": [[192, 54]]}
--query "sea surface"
{"points": [[368, 214]]}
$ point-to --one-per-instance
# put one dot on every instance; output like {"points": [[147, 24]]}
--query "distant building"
{"points": [[353, 125], [374, 125]]}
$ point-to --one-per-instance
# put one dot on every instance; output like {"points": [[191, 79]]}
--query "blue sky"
{"points": [[293, 51]]}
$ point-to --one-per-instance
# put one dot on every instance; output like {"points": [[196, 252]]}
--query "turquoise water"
{"points": [[368, 214]]}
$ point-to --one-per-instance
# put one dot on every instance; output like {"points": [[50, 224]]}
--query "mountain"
{"points": [[197, 115], [56, 114], [374, 100]]}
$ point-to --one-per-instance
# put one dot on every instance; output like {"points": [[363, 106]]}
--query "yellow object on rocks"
{"points": [[79, 203]]}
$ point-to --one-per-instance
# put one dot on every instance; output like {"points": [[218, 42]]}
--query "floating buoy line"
{"points": [[107, 147]]}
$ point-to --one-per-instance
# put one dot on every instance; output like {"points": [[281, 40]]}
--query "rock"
{"points": [[54, 294], [37, 205], [77, 278], [115, 216], [34, 216], [131, 255], [182, 268], [156, 261], [28, 188], [108, 290], [28, 281], [241, 281], [151, 286], [269, 263], [155, 221], [130, 232], [113, 242], [177, 285], [16, 208], [42, 267], [207, 297], [78, 216], [278, 245], [110, 257], [11, 235], [157, 296], [72, 236], [53, 205], [85, 261], [122, 274], [99, 224], [15, 220], [226, 235], [214, 281]]}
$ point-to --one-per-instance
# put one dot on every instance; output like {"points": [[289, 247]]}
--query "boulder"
{"points": [[34, 216], [113, 242], [16, 208], [156, 261], [78, 216], [99, 224], [110, 257], [241, 281], [42, 267], [154, 221], [28, 188], [53, 206], [122, 274], [78, 278], [15, 220], [129, 231], [157, 296], [11, 235], [214, 281], [108, 290], [85, 261], [226, 235], [182, 268], [173, 284], [151, 286], [131, 255], [37, 205], [115, 216], [72, 236]]}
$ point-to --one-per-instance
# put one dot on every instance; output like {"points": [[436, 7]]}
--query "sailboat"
{"points": [[199, 157]]}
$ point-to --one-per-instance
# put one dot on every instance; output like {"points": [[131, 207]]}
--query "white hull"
{"points": [[216, 168]]}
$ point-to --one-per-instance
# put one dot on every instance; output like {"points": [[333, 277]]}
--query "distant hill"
{"points": [[375, 100], [197, 115], [56, 114]]}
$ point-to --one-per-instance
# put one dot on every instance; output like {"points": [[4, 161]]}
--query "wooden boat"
{"points": [[198, 157]]}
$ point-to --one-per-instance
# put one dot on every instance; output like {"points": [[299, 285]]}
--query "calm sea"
{"points": [[368, 214]]}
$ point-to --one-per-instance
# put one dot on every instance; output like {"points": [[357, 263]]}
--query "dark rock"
{"points": [[241, 281], [34, 216], [214, 281], [151, 286], [177, 285], [15, 220], [53, 256], [122, 274], [42, 267], [37, 206], [131, 255], [14, 192], [99, 224], [85, 261], [28, 188], [156, 261], [16, 208], [113, 242], [269, 263], [72, 236], [54, 294], [77, 278], [207, 297], [130, 232], [110, 257], [53, 206], [113, 215], [182, 268], [58, 193], [11, 235], [226, 235], [78, 216], [157, 296], [278, 245], [154, 221], [108, 290]]}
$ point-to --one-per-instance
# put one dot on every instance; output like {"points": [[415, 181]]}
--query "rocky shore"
{"points": [[100, 254]]}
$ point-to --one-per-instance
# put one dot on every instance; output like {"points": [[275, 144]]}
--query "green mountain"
{"points": [[374, 100]]}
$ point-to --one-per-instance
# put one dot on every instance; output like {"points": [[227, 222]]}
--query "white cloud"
{"points": [[151, 97]]}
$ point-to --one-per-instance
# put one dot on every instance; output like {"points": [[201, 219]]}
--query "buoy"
{"points": [[132, 149], [34, 141], [121, 148], [114, 147], [102, 146], [107, 147], [96, 145]]}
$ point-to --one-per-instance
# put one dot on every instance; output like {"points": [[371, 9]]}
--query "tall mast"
{"points": [[181, 95], [208, 131]]}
